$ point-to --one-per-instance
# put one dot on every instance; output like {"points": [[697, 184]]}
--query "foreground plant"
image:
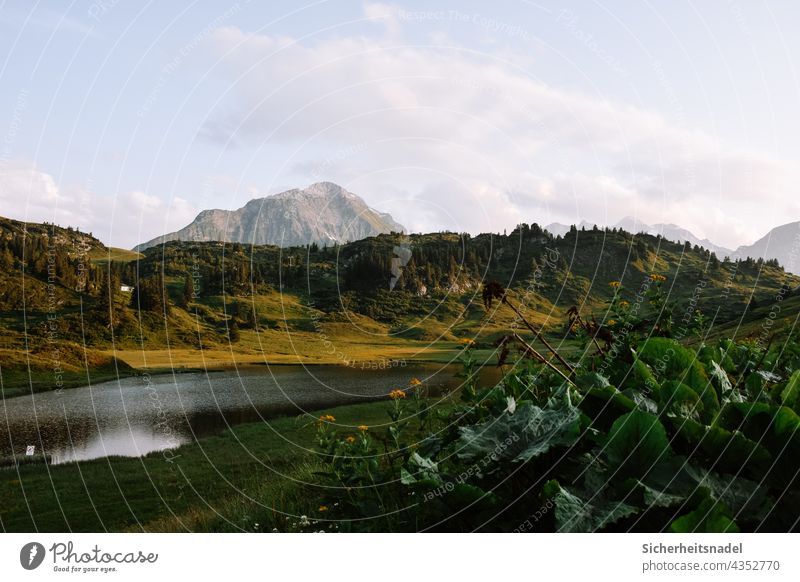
{"points": [[646, 435]]}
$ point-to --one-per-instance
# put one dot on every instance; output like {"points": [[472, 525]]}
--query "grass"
{"points": [[23, 373], [229, 482], [290, 334], [19, 382], [103, 255], [762, 321], [281, 348]]}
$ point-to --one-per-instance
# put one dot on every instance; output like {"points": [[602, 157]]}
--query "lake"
{"points": [[138, 415]]}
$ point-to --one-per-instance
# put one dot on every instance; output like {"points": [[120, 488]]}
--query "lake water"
{"points": [[138, 415]]}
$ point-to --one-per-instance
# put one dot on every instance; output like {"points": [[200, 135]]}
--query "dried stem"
{"points": [[532, 351], [539, 336], [580, 321]]}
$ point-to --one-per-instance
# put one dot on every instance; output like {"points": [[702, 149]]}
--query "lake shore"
{"points": [[19, 381], [180, 489]]}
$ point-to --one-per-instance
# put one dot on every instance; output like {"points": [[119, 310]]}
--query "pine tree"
{"points": [[6, 259], [104, 305], [233, 331], [188, 291]]}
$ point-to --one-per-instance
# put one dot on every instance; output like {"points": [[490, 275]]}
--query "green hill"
{"points": [[207, 303]]}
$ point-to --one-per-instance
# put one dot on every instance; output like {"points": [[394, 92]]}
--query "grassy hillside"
{"points": [[198, 305], [109, 254]]}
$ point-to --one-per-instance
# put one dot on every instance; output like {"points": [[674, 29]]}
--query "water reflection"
{"points": [[139, 415]]}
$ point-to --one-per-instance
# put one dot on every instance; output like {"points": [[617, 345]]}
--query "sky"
{"points": [[127, 118]]}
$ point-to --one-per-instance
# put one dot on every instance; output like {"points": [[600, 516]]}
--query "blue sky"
{"points": [[127, 118]]}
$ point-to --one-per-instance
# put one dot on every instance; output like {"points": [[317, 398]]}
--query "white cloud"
{"points": [[27, 193], [385, 14], [507, 143], [18, 180]]}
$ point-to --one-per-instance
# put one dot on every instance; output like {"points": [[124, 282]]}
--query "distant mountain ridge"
{"points": [[782, 243], [322, 213], [671, 232]]}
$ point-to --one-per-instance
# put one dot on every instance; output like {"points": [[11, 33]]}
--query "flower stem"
{"points": [[539, 336]]}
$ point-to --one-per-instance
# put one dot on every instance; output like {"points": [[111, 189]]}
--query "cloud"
{"points": [[124, 220], [385, 14], [19, 177], [489, 129]]}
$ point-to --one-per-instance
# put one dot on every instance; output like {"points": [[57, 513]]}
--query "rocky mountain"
{"points": [[679, 234], [558, 229], [671, 232], [782, 243], [322, 213]]}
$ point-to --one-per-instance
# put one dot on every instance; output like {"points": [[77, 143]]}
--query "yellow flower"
{"points": [[397, 394], [658, 278], [323, 508], [623, 303], [327, 418], [415, 382], [350, 439], [614, 284], [467, 341], [363, 428], [612, 322]]}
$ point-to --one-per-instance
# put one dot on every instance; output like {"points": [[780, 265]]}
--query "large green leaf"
{"points": [[640, 377], [777, 427], [646, 496], [678, 399], [592, 380], [604, 405], [574, 514], [419, 469], [465, 495], [636, 442], [722, 383], [727, 451], [791, 393], [743, 357], [755, 384], [706, 353], [529, 432], [673, 361], [746, 499], [711, 517], [642, 402], [719, 354]]}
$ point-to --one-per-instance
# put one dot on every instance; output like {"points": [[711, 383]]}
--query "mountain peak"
{"points": [[290, 218], [326, 189]]}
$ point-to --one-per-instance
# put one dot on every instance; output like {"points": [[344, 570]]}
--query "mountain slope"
{"points": [[782, 243], [671, 232], [679, 234], [70, 240], [322, 213]]}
